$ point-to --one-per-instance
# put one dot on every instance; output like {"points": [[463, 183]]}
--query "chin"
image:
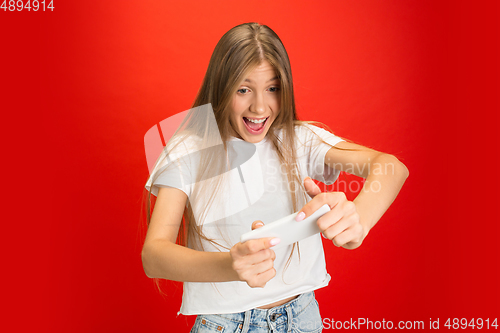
{"points": [[255, 139]]}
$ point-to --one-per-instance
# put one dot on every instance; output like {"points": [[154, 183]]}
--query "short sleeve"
{"points": [[315, 143], [174, 168]]}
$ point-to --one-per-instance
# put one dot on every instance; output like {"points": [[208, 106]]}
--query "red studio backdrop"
{"points": [[81, 84]]}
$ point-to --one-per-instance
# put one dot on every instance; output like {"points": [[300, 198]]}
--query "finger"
{"points": [[263, 278], [261, 267], [336, 229], [246, 263], [267, 275], [251, 273], [311, 187], [262, 255], [257, 224], [255, 245], [352, 234], [329, 218], [344, 210], [332, 199], [273, 254]]}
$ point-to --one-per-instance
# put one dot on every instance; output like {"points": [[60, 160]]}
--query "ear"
{"points": [[311, 188]]}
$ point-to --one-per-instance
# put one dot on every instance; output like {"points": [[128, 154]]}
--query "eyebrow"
{"points": [[274, 78]]}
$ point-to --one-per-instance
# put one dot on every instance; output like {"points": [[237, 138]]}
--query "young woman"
{"points": [[254, 168]]}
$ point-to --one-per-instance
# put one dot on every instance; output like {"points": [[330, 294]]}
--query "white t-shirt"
{"points": [[257, 190]]}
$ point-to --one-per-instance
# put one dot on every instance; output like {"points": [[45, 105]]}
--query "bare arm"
{"points": [[384, 173], [162, 258], [348, 223]]}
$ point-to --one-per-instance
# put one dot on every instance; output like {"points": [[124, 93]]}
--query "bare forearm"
{"points": [[164, 259], [387, 176]]}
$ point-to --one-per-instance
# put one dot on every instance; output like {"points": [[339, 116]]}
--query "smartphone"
{"points": [[287, 229]]}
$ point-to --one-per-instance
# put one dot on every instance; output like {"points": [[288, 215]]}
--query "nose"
{"points": [[258, 105]]}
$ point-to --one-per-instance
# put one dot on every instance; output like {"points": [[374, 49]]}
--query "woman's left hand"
{"points": [[342, 223]]}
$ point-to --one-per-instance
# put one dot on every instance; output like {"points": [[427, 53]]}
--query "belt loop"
{"points": [[246, 321], [289, 314]]}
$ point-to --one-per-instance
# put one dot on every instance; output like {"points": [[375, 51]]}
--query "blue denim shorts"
{"points": [[300, 315]]}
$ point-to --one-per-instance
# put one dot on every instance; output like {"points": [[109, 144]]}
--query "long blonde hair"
{"points": [[237, 53]]}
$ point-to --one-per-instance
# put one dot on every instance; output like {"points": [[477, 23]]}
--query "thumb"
{"points": [[257, 224], [311, 188]]}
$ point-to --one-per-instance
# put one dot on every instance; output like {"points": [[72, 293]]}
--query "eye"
{"points": [[274, 89], [243, 90]]}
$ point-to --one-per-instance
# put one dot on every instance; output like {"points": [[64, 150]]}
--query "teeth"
{"points": [[255, 121]]}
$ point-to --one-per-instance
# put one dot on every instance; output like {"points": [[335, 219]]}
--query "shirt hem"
{"points": [[325, 283]]}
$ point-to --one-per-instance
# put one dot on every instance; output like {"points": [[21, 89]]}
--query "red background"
{"points": [[81, 86]]}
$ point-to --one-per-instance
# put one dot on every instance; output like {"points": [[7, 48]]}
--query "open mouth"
{"points": [[255, 125]]}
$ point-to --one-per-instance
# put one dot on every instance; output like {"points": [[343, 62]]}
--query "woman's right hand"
{"points": [[253, 260]]}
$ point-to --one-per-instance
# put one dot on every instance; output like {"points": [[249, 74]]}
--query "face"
{"points": [[256, 103]]}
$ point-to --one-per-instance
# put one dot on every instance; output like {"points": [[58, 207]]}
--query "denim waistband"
{"points": [[279, 315]]}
